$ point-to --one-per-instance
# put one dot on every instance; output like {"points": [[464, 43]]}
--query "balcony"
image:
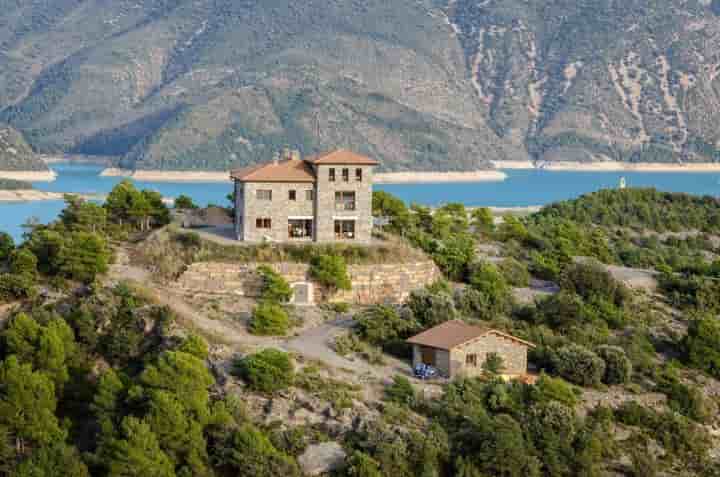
{"points": [[345, 205]]}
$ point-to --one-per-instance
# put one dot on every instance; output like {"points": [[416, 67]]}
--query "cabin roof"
{"points": [[455, 333]]}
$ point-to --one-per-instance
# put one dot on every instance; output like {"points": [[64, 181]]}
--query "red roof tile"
{"points": [[291, 170], [451, 334], [342, 156]]}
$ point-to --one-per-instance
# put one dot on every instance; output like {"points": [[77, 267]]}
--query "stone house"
{"points": [[324, 198], [456, 348]]}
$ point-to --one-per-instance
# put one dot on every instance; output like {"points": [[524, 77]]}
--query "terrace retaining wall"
{"points": [[371, 284]]}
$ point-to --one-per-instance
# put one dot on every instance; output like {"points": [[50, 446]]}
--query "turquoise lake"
{"points": [[522, 188]]}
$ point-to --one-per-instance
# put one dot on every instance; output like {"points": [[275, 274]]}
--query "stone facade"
{"points": [[455, 362], [341, 199], [371, 284], [328, 210], [278, 210]]}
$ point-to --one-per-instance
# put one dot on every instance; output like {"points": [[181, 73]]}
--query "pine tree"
{"points": [[138, 453], [27, 405]]}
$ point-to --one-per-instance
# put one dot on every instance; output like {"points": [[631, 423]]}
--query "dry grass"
{"points": [[168, 252]]}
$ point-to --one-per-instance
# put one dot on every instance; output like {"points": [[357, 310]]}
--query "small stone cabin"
{"points": [[456, 348]]}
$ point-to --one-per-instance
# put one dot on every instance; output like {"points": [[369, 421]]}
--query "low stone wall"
{"points": [[371, 284]]}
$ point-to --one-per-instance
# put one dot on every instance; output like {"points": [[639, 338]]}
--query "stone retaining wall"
{"points": [[371, 284]]}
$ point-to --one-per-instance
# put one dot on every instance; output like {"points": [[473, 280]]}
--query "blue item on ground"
{"points": [[425, 371]]}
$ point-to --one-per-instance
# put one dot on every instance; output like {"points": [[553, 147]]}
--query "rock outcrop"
{"points": [[322, 458]]}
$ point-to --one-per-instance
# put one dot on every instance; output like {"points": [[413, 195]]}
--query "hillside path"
{"points": [[314, 343]]}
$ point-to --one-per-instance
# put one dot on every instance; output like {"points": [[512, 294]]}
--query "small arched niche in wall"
{"points": [[302, 293]]}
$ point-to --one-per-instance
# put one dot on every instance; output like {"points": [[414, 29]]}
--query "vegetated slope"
{"points": [[589, 79], [16, 154], [647, 209], [209, 84], [420, 84]]}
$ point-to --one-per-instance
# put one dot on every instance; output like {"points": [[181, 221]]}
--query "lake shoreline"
{"points": [[104, 161], [30, 176], [167, 176], [33, 195], [438, 177], [609, 166], [378, 178]]}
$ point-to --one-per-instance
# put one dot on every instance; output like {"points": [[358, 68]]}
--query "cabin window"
{"points": [[346, 175], [263, 223], [331, 174], [471, 360], [358, 175], [264, 194], [292, 195], [309, 194]]}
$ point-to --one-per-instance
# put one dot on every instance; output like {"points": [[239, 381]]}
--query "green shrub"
{"points": [[400, 391], [550, 418], [702, 345], [683, 398], [618, 367], [330, 271], [516, 273], [268, 371], [184, 202], [252, 453], [84, 256], [387, 205], [338, 307], [362, 465], [269, 319], [483, 220], [453, 254], [195, 345], [7, 245], [430, 309], [544, 266], [16, 287], [381, 325], [681, 437], [591, 280], [578, 365], [23, 262], [347, 344], [554, 389], [631, 413], [496, 297], [511, 228], [189, 240], [274, 287]]}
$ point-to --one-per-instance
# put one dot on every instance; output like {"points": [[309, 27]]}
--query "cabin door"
{"points": [[428, 356]]}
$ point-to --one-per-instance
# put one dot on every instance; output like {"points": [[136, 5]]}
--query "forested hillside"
{"points": [[420, 84], [127, 374]]}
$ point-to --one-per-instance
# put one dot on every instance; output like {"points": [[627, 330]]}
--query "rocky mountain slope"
{"points": [[420, 84], [16, 154]]}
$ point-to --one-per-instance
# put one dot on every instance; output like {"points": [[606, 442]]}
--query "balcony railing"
{"points": [[345, 205]]}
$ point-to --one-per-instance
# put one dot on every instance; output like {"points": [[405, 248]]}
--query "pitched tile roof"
{"points": [[290, 170], [451, 334], [342, 156]]}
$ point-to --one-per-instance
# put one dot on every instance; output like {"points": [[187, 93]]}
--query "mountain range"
{"points": [[419, 84]]}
